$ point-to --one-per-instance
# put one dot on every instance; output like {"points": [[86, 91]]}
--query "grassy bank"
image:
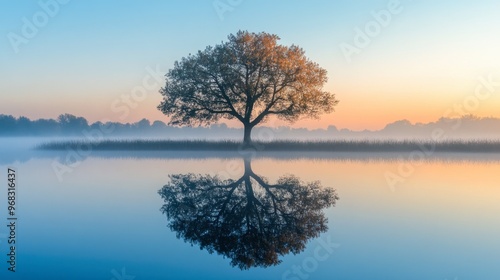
{"points": [[299, 146]]}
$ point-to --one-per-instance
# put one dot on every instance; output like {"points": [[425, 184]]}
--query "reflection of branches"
{"points": [[248, 220]]}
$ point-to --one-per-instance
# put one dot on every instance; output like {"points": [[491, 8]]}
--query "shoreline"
{"points": [[342, 146]]}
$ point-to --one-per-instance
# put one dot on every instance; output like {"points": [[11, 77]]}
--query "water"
{"points": [[103, 219]]}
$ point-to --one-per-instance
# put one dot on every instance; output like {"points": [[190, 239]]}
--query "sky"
{"points": [[386, 60]]}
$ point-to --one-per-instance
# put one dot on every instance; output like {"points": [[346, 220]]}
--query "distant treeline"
{"points": [[467, 127], [70, 125], [65, 124], [22, 126]]}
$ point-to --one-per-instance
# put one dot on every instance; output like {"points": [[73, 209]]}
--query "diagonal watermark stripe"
{"points": [[121, 276]]}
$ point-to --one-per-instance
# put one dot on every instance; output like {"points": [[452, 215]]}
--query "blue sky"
{"points": [[90, 53]]}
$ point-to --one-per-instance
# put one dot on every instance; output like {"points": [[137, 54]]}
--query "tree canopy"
{"points": [[249, 78]]}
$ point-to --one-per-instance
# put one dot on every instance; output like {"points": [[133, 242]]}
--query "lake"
{"points": [[124, 216]]}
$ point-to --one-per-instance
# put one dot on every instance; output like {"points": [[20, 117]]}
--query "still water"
{"points": [[272, 217]]}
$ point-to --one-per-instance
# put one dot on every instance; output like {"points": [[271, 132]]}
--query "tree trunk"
{"points": [[247, 137], [247, 160]]}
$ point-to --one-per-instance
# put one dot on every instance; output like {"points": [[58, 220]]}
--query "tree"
{"points": [[249, 78], [7, 124], [72, 124], [142, 125], [248, 220], [24, 126]]}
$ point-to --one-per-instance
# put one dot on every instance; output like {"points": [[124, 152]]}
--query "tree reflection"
{"points": [[248, 220]]}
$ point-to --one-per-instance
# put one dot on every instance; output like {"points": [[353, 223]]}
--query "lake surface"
{"points": [[395, 218]]}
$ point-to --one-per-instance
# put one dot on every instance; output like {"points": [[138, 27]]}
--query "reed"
{"points": [[461, 146]]}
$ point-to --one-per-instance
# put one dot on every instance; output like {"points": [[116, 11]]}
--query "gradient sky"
{"points": [[89, 54]]}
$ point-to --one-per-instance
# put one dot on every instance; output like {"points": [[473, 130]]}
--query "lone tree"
{"points": [[249, 78]]}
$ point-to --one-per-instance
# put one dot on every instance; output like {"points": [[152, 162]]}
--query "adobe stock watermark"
{"points": [[127, 102], [364, 36], [122, 275], [323, 251], [31, 26], [224, 6], [486, 87], [122, 105]]}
